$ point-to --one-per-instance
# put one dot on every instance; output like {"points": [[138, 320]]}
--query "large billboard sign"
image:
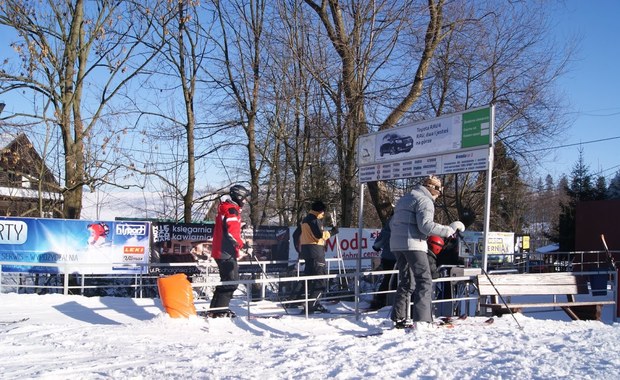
{"points": [[454, 143], [73, 246]]}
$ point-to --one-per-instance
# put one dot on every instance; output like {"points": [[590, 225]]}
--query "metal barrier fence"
{"points": [[455, 290], [558, 262], [259, 285]]}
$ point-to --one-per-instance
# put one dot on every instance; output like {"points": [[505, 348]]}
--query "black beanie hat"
{"points": [[318, 206]]}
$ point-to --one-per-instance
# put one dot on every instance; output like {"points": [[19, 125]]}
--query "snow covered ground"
{"points": [[74, 337]]}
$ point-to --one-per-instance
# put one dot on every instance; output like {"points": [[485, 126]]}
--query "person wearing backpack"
{"points": [[312, 240]]}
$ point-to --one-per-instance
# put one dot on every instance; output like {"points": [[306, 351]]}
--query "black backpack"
{"points": [[296, 238]]}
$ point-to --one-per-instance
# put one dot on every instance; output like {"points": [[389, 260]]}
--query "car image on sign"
{"points": [[394, 144]]}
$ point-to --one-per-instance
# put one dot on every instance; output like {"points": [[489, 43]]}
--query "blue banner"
{"points": [[75, 246]]}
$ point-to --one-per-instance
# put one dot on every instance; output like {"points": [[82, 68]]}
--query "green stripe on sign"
{"points": [[476, 128]]}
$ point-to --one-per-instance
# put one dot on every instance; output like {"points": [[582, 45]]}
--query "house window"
{"points": [[26, 182], [12, 179]]}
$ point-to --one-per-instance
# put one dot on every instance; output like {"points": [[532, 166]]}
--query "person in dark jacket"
{"points": [[312, 243], [388, 261], [435, 246]]}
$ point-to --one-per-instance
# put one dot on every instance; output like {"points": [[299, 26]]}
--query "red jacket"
{"points": [[227, 233]]}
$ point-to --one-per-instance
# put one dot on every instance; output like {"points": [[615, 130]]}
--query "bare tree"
{"points": [[78, 56], [282, 89], [510, 66], [294, 102], [364, 35], [241, 42], [180, 40]]}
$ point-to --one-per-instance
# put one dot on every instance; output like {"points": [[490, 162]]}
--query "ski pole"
{"points": [[609, 256], [458, 233], [273, 287], [341, 266]]}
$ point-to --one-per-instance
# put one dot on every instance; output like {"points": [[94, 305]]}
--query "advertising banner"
{"points": [[78, 246], [454, 143], [268, 243], [192, 242], [501, 246], [102, 247], [180, 243], [345, 245]]}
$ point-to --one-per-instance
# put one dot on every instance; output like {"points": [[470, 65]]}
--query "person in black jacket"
{"points": [[388, 261], [312, 243]]}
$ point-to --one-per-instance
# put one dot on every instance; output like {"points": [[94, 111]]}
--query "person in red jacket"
{"points": [[226, 249]]}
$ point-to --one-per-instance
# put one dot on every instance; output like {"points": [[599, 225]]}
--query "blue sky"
{"points": [[592, 86]]}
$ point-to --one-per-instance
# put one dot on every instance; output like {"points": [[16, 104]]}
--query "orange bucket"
{"points": [[176, 295]]}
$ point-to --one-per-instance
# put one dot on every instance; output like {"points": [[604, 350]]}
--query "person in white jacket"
{"points": [[412, 223]]}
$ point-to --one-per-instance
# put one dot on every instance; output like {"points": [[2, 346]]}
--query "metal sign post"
{"points": [[487, 195], [455, 143], [358, 264]]}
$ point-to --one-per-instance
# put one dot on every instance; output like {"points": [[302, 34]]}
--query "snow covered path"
{"points": [[122, 338]]}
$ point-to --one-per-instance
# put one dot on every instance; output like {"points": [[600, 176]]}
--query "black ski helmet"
{"points": [[238, 194]]}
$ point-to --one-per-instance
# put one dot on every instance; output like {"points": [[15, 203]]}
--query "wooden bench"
{"points": [[539, 284]]}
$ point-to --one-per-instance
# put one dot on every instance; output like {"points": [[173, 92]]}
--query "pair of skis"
{"points": [[452, 321], [442, 322], [4, 323]]}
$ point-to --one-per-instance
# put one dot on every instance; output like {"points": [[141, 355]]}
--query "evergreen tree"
{"points": [[613, 191], [545, 209], [549, 185], [508, 200], [600, 190], [580, 181], [560, 198], [536, 216], [579, 189]]}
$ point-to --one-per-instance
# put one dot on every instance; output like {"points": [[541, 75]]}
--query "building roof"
{"points": [[548, 248], [6, 139]]}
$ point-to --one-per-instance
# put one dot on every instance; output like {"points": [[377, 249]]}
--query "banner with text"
{"points": [[77, 246], [453, 143], [192, 242], [180, 243], [345, 245]]}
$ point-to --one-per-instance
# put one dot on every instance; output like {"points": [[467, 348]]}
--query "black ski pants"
{"points": [[316, 266], [229, 271]]}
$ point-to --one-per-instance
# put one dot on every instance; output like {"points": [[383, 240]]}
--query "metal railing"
{"points": [[144, 284], [461, 295]]}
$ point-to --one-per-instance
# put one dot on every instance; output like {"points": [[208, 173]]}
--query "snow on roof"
{"points": [[6, 139]]}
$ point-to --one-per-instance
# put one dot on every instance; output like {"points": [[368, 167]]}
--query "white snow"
{"points": [[75, 337]]}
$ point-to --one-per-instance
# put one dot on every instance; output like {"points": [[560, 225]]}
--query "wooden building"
{"points": [[596, 218], [27, 186]]}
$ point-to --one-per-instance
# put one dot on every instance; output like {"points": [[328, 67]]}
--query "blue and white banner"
{"points": [[73, 246]]}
